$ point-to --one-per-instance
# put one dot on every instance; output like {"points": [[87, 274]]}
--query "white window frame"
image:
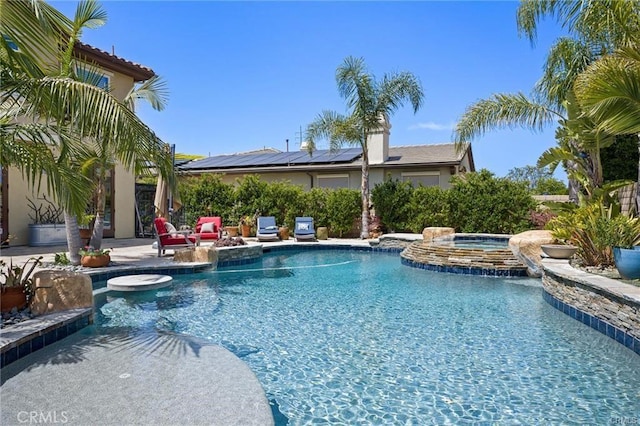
{"points": [[334, 176], [409, 175]]}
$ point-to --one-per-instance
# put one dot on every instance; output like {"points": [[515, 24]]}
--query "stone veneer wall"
{"points": [[609, 312], [501, 263], [239, 255]]}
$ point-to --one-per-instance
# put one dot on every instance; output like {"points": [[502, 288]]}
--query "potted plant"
{"points": [[47, 223], [246, 223], [85, 225], [624, 237], [16, 284], [94, 258]]}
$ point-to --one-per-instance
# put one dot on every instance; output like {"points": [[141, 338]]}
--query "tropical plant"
{"points": [[46, 104], [92, 251], [44, 211], [595, 27], [594, 225], [371, 102], [18, 276]]}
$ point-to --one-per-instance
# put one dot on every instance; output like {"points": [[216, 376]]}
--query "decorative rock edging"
{"points": [[606, 305]]}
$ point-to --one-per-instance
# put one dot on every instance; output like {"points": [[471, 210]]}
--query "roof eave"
{"points": [[91, 54]]}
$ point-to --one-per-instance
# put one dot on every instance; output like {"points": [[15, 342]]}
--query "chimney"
{"points": [[378, 142]]}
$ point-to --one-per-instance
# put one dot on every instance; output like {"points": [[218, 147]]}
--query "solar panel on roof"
{"points": [[275, 159]]}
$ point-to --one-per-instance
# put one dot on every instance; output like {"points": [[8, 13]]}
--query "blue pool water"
{"points": [[357, 338]]}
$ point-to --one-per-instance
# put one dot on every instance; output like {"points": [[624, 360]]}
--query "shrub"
{"points": [[344, 209], [480, 202], [249, 195], [595, 229], [391, 202], [428, 206], [206, 195], [279, 198]]}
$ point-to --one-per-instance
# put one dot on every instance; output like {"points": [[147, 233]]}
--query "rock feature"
{"points": [[526, 247], [57, 291], [432, 232], [197, 254]]}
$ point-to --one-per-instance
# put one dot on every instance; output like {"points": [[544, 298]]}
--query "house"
{"points": [[429, 165], [119, 75]]}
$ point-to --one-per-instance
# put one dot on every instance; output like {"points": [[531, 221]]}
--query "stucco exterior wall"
{"points": [[124, 188], [18, 208], [124, 198]]}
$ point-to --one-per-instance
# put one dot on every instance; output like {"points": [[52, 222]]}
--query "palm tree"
{"points": [[596, 26], [371, 102], [41, 89]]}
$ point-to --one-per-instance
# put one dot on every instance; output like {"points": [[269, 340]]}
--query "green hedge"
{"points": [[476, 202]]}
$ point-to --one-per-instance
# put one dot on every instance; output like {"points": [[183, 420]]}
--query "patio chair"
{"points": [[209, 228], [267, 229], [304, 229], [170, 238]]}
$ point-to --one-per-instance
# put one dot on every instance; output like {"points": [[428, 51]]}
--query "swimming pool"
{"points": [[357, 338], [351, 337]]}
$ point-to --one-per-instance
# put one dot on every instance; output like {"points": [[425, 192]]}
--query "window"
{"points": [[333, 181], [422, 178], [94, 77]]}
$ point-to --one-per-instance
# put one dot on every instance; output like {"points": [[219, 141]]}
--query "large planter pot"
{"points": [[12, 297], [232, 231], [47, 234], [284, 232], [627, 262], [559, 251], [246, 231], [95, 261], [85, 233]]}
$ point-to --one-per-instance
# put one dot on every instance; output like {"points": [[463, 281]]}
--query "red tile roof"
{"points": [[92, 54]]}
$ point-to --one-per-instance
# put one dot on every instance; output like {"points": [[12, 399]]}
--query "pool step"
{"points": [[500, 262]]}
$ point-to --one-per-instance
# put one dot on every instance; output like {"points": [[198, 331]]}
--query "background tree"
{"points": [[371, 103], [540, 180]]}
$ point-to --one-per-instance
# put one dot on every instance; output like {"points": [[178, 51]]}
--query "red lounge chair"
{"points": [[169, 238], [208, 232]]}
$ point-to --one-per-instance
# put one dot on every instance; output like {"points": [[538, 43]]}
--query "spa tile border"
{"points": [[466, 270]]}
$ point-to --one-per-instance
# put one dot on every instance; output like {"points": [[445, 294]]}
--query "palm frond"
{"points": [[610, 93], [566, 59], [154, 91], [503, 111], [397, 88]]}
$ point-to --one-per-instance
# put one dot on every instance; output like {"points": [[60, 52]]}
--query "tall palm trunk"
{"points": [[364, 188], [73, 237]]}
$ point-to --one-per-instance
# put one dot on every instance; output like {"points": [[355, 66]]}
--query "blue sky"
{"points": [[245, 75]]}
